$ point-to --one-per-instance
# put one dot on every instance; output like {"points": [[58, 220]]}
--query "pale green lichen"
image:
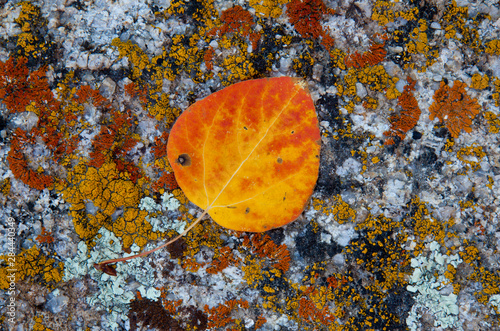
{"points": [[159, 221], [429, 281], [114, 292]]}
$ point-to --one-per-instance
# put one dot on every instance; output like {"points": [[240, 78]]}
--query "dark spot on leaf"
{"points": [[184, 160], [293, 132], [280, 160], [245, 128], [247, 210]]}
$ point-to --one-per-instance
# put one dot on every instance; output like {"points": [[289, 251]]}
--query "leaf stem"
{"points": [[103, 266]]}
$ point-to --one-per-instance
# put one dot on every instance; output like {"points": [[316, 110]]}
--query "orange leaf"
{"points": [[249, 154]]}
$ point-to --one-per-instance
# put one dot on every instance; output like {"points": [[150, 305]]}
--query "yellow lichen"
{"points": [[237, 67], [457, 25], [161, 110], [33, 264], [38, 326], [268, 8], [30, 43], [339, 209], [492, 47], [105, 189], [5, 186], [496, 94], [470, 254], [480, 82], [385, 12], [136, 56], [493, 121], [377, 79], [471, 156]]}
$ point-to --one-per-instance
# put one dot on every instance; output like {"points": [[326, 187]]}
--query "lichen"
{"points": [[113, 293], [31, 42], [408, 117], [305, 16], [30, 264], [430, 281], [268, 8], [455, 107]]}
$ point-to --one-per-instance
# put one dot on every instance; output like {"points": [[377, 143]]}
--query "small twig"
{"points": [[104, 267]]}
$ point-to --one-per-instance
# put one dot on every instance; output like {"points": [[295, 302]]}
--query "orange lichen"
{"points": [[166, 181], [23, 91], [169, 305], [370, 103], [335, 282], [454, 107], [114, 140], [260, 322], [160, 148], [167, 178], [129, 168], [87, 94], [45, 237], [19, 164], [309, 312], [219, 316], [224, 259], [369, 58], [237, 20], [208, 57], [19, 87], [263, 246], [305, 16], [134, 91], [409, 116], [189, 263]]}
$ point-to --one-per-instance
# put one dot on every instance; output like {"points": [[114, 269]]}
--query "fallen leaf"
{"points": [[249, 154]]}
